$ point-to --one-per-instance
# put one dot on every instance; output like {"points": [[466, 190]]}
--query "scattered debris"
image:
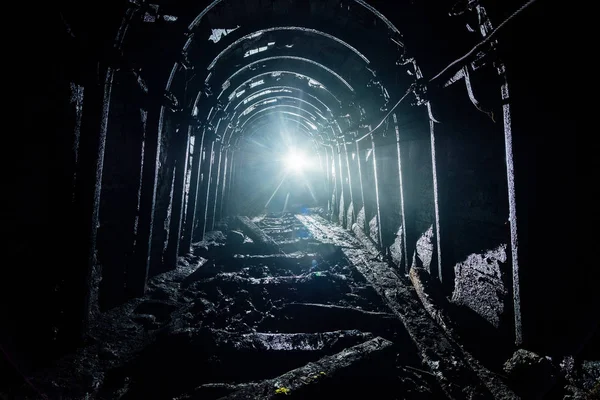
{"points": [[205, 270], [306, 317], [531, 374], [235, 239], [297, 383], [303, 310], [254, 232], [457, 372]]}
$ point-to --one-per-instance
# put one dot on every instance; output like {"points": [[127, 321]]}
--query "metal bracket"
{"points": [[419, 89]]}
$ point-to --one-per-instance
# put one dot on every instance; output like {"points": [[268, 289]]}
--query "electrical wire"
{"points": [[484, 41], [453, 63], [408, 91]]}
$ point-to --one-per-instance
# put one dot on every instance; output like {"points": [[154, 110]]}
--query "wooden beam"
{"points": [[459, 374]]}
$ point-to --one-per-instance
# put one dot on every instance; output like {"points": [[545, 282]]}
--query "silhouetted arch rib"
{"points": [[265, 101], [311, 122], [286, 28], [269, 113], [294, 74], [294, 58], [310, 116], [279, 87], [278, 106], [391, 26], [271, 90], [273, 95], [300, 127]]}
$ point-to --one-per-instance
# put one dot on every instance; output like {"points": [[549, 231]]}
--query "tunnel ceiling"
{"points": [[324, 69]]}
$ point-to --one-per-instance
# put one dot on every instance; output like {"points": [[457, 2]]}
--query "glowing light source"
{"points": [[295, 161]]}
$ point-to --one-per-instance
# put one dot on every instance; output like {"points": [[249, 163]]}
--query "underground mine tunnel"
{"points": [[256, 199]]}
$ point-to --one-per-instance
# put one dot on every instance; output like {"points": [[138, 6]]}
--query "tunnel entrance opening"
{"points": [[281, 172]]}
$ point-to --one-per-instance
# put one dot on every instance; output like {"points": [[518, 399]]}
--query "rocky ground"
{"points": [[270, 308]]}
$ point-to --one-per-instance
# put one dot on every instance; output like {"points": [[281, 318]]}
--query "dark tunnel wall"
{"points": [[557, 302], [120, 193]]}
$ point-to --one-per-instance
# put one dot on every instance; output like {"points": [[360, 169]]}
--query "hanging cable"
{"points": [[408, 91], [484, 41], [457, 61]]}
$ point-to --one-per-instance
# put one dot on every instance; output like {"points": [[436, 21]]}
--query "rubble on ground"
{"points": [[276, 307]]}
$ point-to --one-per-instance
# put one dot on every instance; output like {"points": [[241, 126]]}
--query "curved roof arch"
{"points": [[310, 119], [270, 105], [276, 89], [298, 126], [301, 78], [266, 100], [313, 88], [292, 58], [283, 120], [291, 93], [360, 10], [349, 92], [286, 28], [280, 100], [194, 24], [301, 98], [272, 80]]}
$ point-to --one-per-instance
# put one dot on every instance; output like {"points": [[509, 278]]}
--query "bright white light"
{"points": [[295, 161]]}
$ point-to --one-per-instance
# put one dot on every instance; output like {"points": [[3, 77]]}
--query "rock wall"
{"points": [[424, 251], [479, 284]]}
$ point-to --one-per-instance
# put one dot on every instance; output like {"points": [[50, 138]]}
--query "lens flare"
{"points": [[295, 162]]}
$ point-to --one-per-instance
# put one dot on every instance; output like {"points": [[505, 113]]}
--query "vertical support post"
{"points": [[230, 179], [512, 204], [188, 231], [405, 249], [362, 191], [217, 183], [435, 194], [86, 202], [208, 185], [197, 232], [342, 193], [327, 181], [123, 161], [181, 150], [229, 206], [378, 203], [138, 275], [349, 223], [224, 185], [334, 193]]}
